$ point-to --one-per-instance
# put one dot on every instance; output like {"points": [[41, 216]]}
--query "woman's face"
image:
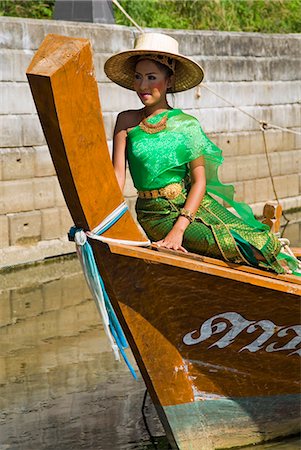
{"points": [[151, 83]]}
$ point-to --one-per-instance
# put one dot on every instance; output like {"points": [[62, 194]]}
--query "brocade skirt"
{"points": [[216, 231]]}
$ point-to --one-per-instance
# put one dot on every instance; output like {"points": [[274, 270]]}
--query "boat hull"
{"points": [[239, 385], [233, 422]]}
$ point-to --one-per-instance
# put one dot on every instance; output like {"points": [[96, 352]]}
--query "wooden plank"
{"points": [[209, 268], [219, 262]]}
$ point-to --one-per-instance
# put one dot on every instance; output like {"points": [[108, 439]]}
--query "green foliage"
{"points": [[35, 9], [265, 16]]}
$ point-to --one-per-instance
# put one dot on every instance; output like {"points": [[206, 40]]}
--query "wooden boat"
{"points": [[217, 344]]}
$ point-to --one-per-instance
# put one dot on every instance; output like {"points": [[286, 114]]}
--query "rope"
{"points": [[116, 3], [262, 123], [84, 250], [264, 126], [271, 175]]}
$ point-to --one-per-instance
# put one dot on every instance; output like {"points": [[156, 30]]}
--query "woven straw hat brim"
{"points": [[120, 68]]}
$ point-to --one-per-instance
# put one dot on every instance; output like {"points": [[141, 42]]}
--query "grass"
{"points": [[265, 16]]}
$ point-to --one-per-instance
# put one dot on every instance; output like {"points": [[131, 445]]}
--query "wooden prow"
{"points": [[64, 88]]}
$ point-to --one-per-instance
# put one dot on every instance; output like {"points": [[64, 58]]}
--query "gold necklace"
{"points": [[152, 128]]}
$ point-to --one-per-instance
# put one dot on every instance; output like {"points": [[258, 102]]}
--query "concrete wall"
{"points": [[259, 73]]}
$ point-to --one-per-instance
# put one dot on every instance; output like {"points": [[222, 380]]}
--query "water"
{"points": [[60, 387]]}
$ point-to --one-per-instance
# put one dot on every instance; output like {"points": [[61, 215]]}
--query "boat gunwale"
{"points": [[284, 283]]}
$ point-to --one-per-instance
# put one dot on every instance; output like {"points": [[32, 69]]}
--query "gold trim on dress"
{"points": [[171, 191]]}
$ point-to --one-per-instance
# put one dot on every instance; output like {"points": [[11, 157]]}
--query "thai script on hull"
{"points": [[234, 324]]}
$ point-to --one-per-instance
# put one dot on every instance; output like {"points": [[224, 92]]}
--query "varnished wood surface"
{"points": [[159, 300], [160, 303], [64, 87], [283, 283]]}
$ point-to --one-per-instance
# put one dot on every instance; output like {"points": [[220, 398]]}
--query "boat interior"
{"points": [[191, 261]]}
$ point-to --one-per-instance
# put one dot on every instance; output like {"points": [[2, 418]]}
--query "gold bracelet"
{"points": [[188, 214]]}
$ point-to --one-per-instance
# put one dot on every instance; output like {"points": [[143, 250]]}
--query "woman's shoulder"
{"points": [[129, 118]]}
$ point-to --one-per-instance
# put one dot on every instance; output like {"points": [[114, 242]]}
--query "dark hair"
{"points": [[168, 72]]}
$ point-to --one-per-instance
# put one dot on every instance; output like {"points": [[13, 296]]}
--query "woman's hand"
{"points": [[173, 240]]}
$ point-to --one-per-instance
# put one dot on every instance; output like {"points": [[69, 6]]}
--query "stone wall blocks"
{"points": [[189, 43], [239, 191], [29, 33], [292, 68], [65, 220], [43, 165], [293, 188], [262, 166], [274, 159], [16, 196], [215, 70], [10, 131], [243, 143], [263, 190], [32, 133], [289, 162], [281, 186], [289, 140], [59, 198], [274, 140], [17, 163], [249, 191], [247, 93], [246, 167], [50, 223], [217, 44], [11, 35], [287, 185], [229, 143], [248, 45], [4, 231], [14, 64], [113, 98], [285, 115], [228, 171], [44, 194], [109, 120], [16, 98], [24, 228], [296, 138], [99, 60]]}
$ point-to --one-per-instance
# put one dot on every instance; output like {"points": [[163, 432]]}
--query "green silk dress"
{"points": [[159, 159]]}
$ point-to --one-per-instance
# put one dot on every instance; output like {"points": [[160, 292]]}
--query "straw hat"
{"points": [[120, 68]]}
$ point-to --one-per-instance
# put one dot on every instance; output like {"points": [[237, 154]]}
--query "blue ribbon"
{"points": [[92, 273]]}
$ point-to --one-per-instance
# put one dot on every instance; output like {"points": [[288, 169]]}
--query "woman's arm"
{"points": [[174, 238], [119, 148]]}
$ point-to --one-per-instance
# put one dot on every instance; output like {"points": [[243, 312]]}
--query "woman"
{"points": [[174, 165]]}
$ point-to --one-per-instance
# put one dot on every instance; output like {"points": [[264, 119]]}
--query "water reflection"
{"points": [[60, 387], [59, 384]]}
